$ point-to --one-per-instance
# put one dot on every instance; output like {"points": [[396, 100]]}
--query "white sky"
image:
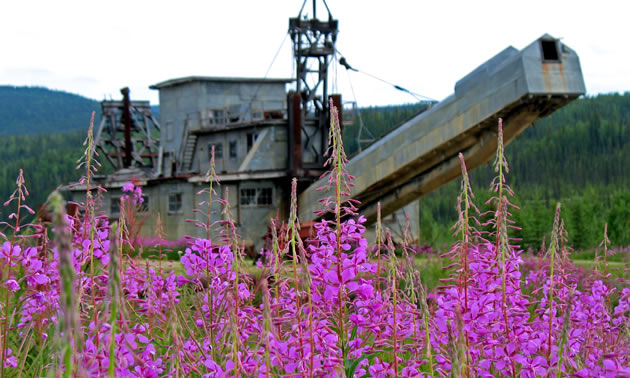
{"points": [[95, 48]]}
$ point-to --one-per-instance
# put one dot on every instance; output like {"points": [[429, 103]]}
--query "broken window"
{"points": [[256, 196], [550, 50], [264, 196], [233, 149], [218, 150], [257, 115], [114, 206], [251, 139], [248, 196], [217, 117], [256, 110], [234, 113], [174, 202], [144, 206]]}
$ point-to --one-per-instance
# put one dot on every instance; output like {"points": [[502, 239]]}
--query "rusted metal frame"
{"points": [[320, 113], [313, 39], [127, 124], [137, 136], [295, 133], [324, 116]]}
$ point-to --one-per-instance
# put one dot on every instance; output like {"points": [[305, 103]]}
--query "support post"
{"points": [[296, 122], [127, 123]]}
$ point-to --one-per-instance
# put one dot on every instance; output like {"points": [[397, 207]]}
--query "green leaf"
{"points": [[352, 365]]}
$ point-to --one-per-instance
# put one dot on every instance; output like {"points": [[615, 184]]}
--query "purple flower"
{"points": [[12, 285], [10, 361]]}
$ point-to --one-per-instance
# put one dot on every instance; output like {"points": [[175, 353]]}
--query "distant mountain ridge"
{"points": [[39, 110]]}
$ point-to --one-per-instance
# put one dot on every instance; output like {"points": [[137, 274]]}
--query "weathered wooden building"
{"points": [[244, 119]]}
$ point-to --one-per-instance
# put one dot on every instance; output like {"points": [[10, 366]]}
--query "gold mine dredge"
{"points": [[263, 136]]}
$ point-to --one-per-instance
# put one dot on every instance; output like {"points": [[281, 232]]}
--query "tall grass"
{"points": [[335, 305]]}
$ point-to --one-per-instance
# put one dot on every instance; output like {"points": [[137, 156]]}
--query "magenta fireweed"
{"points": [[332, 306]]}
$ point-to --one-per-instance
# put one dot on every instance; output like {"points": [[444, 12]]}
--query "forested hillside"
{"points": [[585, 143], [47, 160], [35, 110]]}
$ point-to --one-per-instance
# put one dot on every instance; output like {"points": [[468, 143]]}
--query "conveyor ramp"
{"points": [[520, 87]]}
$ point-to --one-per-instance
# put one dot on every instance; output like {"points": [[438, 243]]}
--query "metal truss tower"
{"points": [[313, 49], [129, 135]]}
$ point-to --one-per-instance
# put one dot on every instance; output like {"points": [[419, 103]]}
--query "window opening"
{"points": [[234, 113], [174, 202], [114, 206], [248, 196], [218, 151], [257, 115], [256, 196], [233, 149], [550, 50], [264, 196], [144, 206], [251, 139], [217, 117]]}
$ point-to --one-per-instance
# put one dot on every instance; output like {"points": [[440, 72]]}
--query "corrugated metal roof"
{"points": [[188, 79]]}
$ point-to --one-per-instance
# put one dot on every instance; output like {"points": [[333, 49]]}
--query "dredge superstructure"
{"points": [[263, 136]]}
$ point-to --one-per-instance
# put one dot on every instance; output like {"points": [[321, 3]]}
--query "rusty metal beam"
{"points": [[127, 123]]}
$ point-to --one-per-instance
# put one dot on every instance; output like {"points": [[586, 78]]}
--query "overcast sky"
{"points": [[95, 48]]}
